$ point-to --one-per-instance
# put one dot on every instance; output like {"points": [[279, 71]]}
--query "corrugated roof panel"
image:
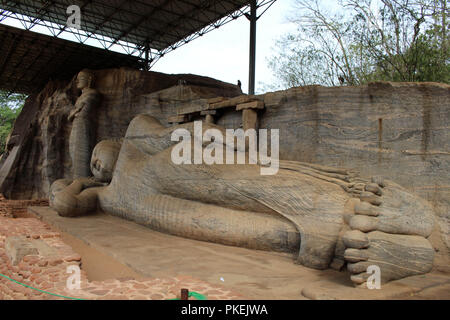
{"points": [[28, 59]]}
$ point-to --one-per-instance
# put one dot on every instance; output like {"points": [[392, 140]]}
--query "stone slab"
{"points": [[208, 112], [249, 119], [216, 100], [250, 105], [192, 107], [233, 102], [18, 247]]}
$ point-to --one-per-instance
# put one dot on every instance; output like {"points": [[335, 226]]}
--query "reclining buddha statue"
{"points": [[326, 216]]}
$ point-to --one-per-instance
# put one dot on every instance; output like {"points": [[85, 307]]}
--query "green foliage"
{"points": [[362, 41], [10, 107]]}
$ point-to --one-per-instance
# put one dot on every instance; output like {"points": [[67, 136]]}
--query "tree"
{"points": [[10, 107], [363, 41]]}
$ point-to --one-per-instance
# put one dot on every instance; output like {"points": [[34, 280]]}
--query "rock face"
{"points": [[399, 131], [38, 150], [235, 204]]}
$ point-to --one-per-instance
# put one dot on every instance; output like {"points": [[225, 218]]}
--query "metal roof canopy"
{"points": [[148, 29], [29, 59]]}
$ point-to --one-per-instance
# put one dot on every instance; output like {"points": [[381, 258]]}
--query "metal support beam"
{"points": [[147, 58], [252, 59]]}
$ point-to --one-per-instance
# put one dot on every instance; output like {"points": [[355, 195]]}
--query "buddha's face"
{"points": [[104, 158], [83, 80]]}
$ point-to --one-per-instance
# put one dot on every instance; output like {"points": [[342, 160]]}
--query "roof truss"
{"points": [[148, 29]]}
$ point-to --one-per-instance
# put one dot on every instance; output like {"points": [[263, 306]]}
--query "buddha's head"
{"points": [[85, 79], [104, 158]]}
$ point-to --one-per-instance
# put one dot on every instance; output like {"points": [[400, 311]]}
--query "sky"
{"points": [[223, 54]]}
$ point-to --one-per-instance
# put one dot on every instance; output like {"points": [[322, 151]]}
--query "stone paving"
{"points": [[47, 271]]}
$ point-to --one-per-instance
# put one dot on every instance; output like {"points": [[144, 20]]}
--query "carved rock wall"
{"points": [[396, 130], [38, 150], [400, 131]]}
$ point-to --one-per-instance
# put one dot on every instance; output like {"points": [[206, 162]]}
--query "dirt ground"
{"points": [[97, 265], [113, 248]]}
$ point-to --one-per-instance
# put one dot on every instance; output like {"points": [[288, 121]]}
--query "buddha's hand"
{"points": [[91, 182]]}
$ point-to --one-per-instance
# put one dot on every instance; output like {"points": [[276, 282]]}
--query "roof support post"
{"points": [[252, 59], [147, 58]]}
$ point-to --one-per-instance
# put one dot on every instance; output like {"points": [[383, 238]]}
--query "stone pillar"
{"points": [[249, 114], [249, 119], [209, 116]]}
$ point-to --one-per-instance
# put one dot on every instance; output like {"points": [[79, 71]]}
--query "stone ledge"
{"points": [[18, 247]]}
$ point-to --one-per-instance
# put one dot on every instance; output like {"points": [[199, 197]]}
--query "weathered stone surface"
{"points": [[233, 102], [18, 247], [39, 152], [192, 106], [249, 119], [250, 105], [356, 239], [82, 135], [237, 205], [399, 131], [177, 119], [397, 256]]}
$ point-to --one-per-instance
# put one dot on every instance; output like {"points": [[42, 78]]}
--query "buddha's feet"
{"points": [[388, 230]]}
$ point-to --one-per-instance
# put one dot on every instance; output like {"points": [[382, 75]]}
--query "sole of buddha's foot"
{"points": [[396, 256]]}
